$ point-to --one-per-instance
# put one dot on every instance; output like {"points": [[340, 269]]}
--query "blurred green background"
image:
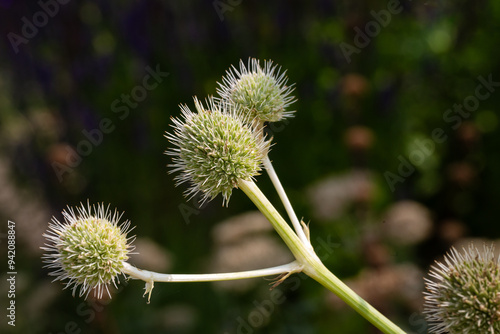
{"points": [[391, 155]]}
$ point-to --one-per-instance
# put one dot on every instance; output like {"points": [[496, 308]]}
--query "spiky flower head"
{"points": [[464, 295], [88, 249], [214, 149], [259, 91]]}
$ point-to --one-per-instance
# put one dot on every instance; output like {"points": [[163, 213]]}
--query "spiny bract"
{"points": [[215, 148], [88, 249], [464, 295], [260, 92]]}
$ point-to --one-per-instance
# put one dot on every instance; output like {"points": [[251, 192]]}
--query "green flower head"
{"points": [[214, 149], [463, 296], [260, 92], [88, 249]]}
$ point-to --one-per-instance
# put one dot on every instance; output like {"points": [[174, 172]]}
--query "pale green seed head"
{"points": [[88, 249], [259, 92], [463, 296], [214, 149]]}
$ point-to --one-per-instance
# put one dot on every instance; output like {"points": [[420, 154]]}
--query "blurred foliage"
{"points": [[396, 89]]}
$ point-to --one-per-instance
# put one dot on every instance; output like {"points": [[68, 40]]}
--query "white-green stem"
{"points": [[312, 265], [299, 250], [286, 202], [151, 276], [259, 126]]}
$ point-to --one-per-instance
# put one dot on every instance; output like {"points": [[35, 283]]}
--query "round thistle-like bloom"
{"points": [[464, 296], [88, 249], [260, 92], [215, 148]]}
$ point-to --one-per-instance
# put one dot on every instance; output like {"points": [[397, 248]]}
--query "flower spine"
{"points": [[88, 249], [463, 294], [260, 92], [214, 148]]}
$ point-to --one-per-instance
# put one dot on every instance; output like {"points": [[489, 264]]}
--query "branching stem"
{"points": [[312, 265], [286, 202]]}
